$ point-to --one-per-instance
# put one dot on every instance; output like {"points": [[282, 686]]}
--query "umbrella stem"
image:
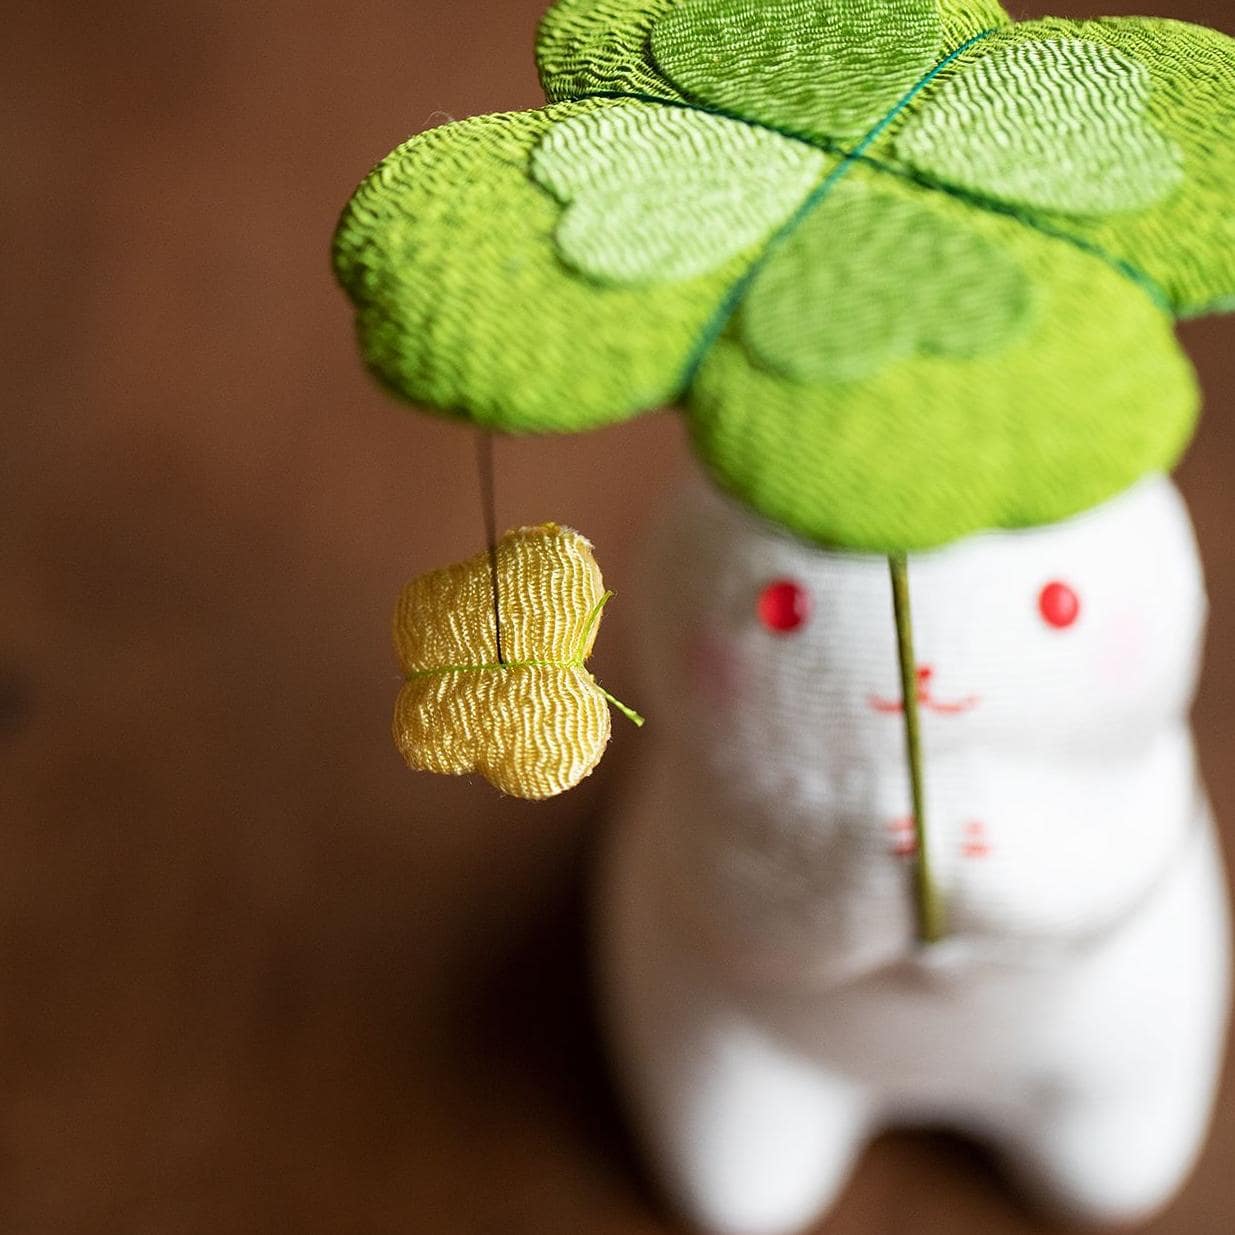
{"points": [[930, 911]]}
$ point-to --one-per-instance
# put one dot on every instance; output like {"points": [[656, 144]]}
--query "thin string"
{"points": [[589, 625], [488, 502]]}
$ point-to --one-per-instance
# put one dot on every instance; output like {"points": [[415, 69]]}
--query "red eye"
{"points": [[1059, 605], [784, 606]]}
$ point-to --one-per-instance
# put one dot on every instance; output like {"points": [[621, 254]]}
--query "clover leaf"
{"points": [[668, 195], [1074, 136], [828, 71], [466, 706], [857, 287], [910, 268]]}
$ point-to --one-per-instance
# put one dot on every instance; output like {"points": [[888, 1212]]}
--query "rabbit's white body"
{"points": [[769, 1007]]}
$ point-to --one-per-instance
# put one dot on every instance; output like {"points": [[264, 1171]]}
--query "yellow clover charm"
{"points": [[533, 722]]}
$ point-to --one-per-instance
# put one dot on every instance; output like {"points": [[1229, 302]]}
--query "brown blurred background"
{"points": [[254, 976]]}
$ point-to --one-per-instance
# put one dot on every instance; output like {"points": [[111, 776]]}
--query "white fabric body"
{"points": [[768, 1004]]}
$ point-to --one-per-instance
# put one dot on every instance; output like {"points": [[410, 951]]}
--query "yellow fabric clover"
{"points": [[535, 725]]}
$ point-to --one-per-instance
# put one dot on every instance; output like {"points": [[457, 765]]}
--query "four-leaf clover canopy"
{"points": [[911, 269]]}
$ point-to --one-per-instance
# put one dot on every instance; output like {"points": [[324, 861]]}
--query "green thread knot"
{"points": [[575, 662]]}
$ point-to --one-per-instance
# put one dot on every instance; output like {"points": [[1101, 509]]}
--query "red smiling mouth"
{"points": [[956, 707]]}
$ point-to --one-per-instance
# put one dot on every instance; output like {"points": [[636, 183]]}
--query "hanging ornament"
{"points": [[524, 714], [884, 255]]}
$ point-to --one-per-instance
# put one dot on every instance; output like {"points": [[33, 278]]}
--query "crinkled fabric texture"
{"points": [[819, 70], [1069, 133], [671, 194], [1180, 244], [589, 46], [463, 302], [857, 287], [1013, 436], [912, 270], [534, 727]]}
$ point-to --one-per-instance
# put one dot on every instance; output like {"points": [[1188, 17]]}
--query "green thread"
{"points": [[734, 296], [576, 662], [1072, 136], [629, 712], [443, 670], [590, 625], [915, 175], [634, 717], [1011, 210]]}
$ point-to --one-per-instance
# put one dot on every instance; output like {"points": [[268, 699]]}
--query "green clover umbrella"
{"points": [[910, 269]]}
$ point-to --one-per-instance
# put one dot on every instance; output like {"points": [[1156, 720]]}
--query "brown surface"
{"points": [[256, 978]]}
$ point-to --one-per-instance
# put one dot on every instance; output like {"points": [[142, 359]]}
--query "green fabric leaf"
{"points": [[1090, 394], [830, 69], [590, 46], [947, 333], [871, 278], [669, 193], [1060, 124], [447, 250], [1163, 211]]}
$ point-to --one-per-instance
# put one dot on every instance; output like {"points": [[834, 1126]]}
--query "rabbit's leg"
{"points": [[745, 1137], [747, 1140], [1117, 1158], [1116, 1138]]}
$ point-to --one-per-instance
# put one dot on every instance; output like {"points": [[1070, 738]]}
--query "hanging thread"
{"points": [[488, 502]]}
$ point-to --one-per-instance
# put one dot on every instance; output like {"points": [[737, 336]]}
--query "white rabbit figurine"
{"points": [[769, 1007]]}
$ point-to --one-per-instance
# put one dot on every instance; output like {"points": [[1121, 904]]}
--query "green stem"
{"points": [[931, 921]]}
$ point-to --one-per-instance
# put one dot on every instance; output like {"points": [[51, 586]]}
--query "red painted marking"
{"points": [[957, 708], [886, 706], [784, 606], [904, 832], [976, 844], [926, 701], [1059, 605]]}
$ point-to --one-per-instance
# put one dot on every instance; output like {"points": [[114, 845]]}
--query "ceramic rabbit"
{"points": [[768, 1005], [911, 270]]}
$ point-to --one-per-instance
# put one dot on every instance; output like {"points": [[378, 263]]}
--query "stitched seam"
{"points": [[1012, 211], [577, 662], [736, 293], [444, 670], [421, 674], [849, 157]]}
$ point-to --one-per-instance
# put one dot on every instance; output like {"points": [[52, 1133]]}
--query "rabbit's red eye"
{"points": [[1059, 605], [784, 606]]}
